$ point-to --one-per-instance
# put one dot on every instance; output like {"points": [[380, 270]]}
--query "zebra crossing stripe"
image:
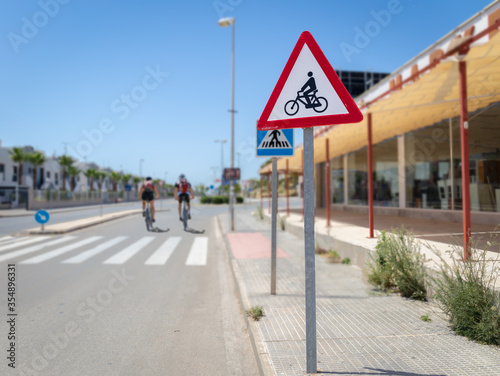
{"points": [[6, 238], [34, 248], [23, 241], [162, 254], [94, 251], [60, 251], [198, 253], [122, 256]]}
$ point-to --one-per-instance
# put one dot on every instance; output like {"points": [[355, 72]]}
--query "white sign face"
{"points": [[325, 101]]}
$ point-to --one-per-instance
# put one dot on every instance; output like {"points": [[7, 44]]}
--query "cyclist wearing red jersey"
{"points": [[147, 193], [181, 193]]}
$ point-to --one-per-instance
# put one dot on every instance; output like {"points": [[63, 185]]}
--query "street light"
{"points": [[224, 22], [222, 142]]}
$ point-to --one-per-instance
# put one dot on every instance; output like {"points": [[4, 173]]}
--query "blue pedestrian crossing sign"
{"points": [[275, 143], [42, 216]]}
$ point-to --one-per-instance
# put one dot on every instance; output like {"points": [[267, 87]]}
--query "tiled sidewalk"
{"points": [[359, 331]]}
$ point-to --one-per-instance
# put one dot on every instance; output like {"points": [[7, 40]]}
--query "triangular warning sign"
{"points": [[274, 140], [308, 93]]}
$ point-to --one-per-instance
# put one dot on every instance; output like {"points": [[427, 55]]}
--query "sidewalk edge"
{"points": [[264, 370], [90, 223]]}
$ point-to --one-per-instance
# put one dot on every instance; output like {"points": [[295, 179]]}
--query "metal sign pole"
{"points": [[273, 225], [309, 250]]}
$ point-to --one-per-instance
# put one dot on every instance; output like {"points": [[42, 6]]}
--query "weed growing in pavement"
{"points": [[398, 265], [333, 257], [260, 211], [346, 261], [255, 312], [282, 223], [425, 318], [467, 291]]}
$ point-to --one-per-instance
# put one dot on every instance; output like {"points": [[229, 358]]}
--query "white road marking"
{"points": [[198, 253], [94, 251], [163, 253], [23, 241], [34, 248], [60, 251], [122, 256], [5, 238]]}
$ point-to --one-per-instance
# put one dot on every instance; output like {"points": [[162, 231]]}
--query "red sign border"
{"points": [[353, 115]]}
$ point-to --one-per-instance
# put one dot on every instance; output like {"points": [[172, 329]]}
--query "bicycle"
{"points": [[184, 212], [148, 217], [318, 104]]}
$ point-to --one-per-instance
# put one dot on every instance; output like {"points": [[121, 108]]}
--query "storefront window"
{"points": [[484, 155], [428, 172], [385, 167], [337, 175], [357, 178]]}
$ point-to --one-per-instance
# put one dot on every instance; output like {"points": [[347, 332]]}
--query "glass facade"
{"points": [[432, 168], [427, 168], [484, 157], [337, 176], [385, 171], [357, 177]]}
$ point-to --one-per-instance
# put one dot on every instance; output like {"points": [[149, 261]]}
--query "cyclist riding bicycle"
{"points": [[181, 193], [147, 193], [308, 89]]}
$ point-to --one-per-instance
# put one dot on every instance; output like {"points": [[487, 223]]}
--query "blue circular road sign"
{"points": [[42, 216]]}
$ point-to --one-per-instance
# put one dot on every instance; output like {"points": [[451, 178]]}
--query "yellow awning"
{"points": [[431, 98]]}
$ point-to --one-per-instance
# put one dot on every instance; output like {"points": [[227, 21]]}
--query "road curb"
{"points": [[78, 224], [263, 370]]}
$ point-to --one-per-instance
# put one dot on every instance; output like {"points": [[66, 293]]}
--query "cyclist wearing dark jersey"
{"points": [[147, 193], [181, 193]]}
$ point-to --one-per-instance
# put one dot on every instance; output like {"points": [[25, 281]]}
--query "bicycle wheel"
{"points": [[184, 215], [291, 107], [149, 223], [323, 104]]}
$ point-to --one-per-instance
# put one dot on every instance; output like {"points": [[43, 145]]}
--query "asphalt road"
{"points": [[116, 300]]}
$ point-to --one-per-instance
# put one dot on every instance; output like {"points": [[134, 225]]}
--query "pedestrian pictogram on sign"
{"points": [[308, 93], [275, 143]]}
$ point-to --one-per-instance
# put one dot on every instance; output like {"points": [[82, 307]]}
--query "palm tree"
{"points": [[19, 156], [100, 175], [136, 180], [37, 159], [115, 178], [91, 174], [126, 179], [65, 161], [73, 171]]}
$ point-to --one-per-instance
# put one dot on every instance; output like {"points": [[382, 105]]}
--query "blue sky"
{"points": [[115, 81]]}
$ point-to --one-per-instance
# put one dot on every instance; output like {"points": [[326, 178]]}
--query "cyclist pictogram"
{"points": [[307, 96]]}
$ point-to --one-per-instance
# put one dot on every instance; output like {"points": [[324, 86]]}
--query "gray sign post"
{"points": [[333, 105], [309, 250], [274, 209]]}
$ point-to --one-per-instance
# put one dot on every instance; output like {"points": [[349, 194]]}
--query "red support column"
{"points": [[464, 140], [370, 176], [287, 192], [327, 178]]}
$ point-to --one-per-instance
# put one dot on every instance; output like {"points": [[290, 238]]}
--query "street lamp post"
{"points": [[224, 22], [222, 142]]}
